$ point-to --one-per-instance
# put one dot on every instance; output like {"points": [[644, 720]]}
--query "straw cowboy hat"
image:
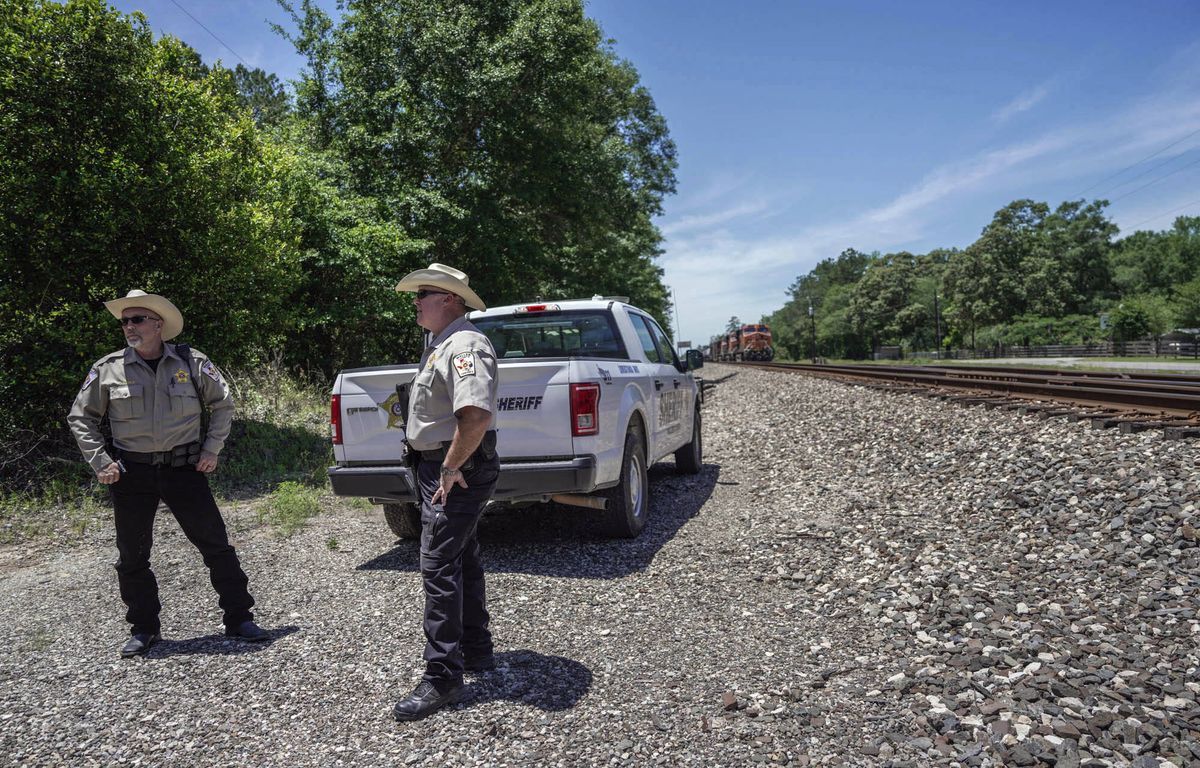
{"points": [[172, 318], [441, 276]]}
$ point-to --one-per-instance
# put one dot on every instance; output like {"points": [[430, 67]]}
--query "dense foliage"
{"points": [[505, 138], [1034, 276], [123, 164]]}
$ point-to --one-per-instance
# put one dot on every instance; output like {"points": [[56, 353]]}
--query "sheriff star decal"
{"points": [[92, 375], [464, 363], [211, 370], [395, 413], [181, 376]]}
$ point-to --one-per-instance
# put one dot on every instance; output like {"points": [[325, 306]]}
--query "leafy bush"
{"points": [[1037, 331]]}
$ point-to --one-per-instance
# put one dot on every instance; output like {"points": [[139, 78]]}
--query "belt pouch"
{"points": [[183, 455]]}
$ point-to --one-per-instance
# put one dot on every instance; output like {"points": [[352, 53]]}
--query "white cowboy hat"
{"points": [[172, 318], [441, 276]]}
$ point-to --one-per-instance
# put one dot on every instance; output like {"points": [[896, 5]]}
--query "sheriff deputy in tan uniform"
{"points": [[451, 432], [152, 393]]}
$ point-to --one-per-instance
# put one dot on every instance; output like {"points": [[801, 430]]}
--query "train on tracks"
{"points": [[752, 342]]}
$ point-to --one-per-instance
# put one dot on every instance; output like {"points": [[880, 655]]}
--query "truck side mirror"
{"points": [[695, 359]]}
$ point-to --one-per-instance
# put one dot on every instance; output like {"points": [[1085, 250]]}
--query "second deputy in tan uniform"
{"points": [[451, 430], [152, 396]]}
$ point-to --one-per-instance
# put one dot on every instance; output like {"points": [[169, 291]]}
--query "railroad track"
{"points": [[1130, 401]]}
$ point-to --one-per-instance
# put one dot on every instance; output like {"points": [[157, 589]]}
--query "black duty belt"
{"points": [[487, 449], [179, 456]]}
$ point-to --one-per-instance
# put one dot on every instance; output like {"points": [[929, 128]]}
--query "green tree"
{"points": [[1186, 307], [262, 94], [986, 282], [123, 164], [1139, 316], [1068, 271], [506, 135], [882, 300]]}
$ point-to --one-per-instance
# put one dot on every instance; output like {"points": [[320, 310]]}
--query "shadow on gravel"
{"points": [[557, 540], [215, 645], [550, 683]]}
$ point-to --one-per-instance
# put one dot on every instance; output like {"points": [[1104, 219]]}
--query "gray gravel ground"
{"points": [[856, 578]]}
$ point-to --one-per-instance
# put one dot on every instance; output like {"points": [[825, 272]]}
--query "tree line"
{"points": [[505, 137], [1035, 276]]}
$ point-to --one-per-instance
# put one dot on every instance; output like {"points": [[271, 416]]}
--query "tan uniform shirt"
{"points": [[457, 369], [149, 411]]}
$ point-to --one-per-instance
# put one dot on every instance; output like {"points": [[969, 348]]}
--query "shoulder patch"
{"points": [[92, 376], [464, 363], [211, 371]]}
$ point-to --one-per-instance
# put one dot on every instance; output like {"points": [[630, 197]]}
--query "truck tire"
{"points": [[628, 501], [689, 459], [403, 519]]}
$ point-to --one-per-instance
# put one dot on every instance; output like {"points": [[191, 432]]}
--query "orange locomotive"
{"points": [[750, 342], [755, 342]]}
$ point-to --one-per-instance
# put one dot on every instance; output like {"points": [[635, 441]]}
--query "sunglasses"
{"points": [[135, 319], [423, 293]]}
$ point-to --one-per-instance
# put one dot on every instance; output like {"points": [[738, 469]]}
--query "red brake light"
{"points": [[335, 418], [585, 409]]}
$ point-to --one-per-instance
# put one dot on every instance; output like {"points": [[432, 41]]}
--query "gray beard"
{"points": [[135, 343]]}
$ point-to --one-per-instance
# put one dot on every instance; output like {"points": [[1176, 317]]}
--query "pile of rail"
{"points": [[1131, 401]]}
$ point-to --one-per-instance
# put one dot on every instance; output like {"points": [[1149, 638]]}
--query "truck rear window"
{"points": [[578, 333]]}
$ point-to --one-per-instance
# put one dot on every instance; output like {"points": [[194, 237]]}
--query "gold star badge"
{"points": [[395, 413]]}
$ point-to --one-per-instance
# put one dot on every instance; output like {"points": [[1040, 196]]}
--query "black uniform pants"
{"points": [[135, 500], [456, 616]]}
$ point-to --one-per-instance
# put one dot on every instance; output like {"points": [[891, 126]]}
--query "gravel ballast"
{"points": [[856, 578]]}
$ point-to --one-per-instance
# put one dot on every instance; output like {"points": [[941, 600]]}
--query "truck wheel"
{"points": [[628, 500], [403, 519], [689, 459]]}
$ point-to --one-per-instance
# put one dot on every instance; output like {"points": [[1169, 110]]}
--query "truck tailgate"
{"points": [[371, 418], [533, 409]]}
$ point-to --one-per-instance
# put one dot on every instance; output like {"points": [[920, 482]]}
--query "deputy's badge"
{"points": [[464, 363], [432, 359], [92, 376], [395, 411], [210, 369], [181, 376]]}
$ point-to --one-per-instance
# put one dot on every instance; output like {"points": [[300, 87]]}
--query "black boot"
{"points": [[139, 644], [426, 700]]}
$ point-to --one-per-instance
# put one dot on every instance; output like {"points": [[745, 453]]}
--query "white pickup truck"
{"points": [[591, 393]]}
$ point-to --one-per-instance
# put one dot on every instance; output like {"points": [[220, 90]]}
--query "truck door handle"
{"points": [[657, 384], [676, 383]]}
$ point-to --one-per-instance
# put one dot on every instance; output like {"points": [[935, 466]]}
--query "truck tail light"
{"points": [[585, 409], [335, 418]]}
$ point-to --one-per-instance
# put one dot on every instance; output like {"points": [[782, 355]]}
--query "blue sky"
{"points": [[805, 128]]}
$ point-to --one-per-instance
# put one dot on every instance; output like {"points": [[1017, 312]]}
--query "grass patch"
{"points": [[280, 433], [68, 504], [290, 506]]}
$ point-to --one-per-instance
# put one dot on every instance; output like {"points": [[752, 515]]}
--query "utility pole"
{"points": [[937, 321], [812, 317], [675, 311]]}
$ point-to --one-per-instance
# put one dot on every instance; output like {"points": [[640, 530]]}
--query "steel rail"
{"points": [[1175, 401]]}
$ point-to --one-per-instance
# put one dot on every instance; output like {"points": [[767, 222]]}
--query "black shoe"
{"points": [[248, 631], [426, 700], [479, 663], [139, 644]]}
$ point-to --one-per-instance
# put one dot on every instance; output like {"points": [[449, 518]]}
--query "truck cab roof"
{"points": [[556, 305]]}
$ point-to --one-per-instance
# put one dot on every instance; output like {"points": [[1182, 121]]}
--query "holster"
{"points": [[182, 455], [411, 456]]}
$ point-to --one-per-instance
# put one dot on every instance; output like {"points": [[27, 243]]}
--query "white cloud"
{"points": [[1022, 103]]}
